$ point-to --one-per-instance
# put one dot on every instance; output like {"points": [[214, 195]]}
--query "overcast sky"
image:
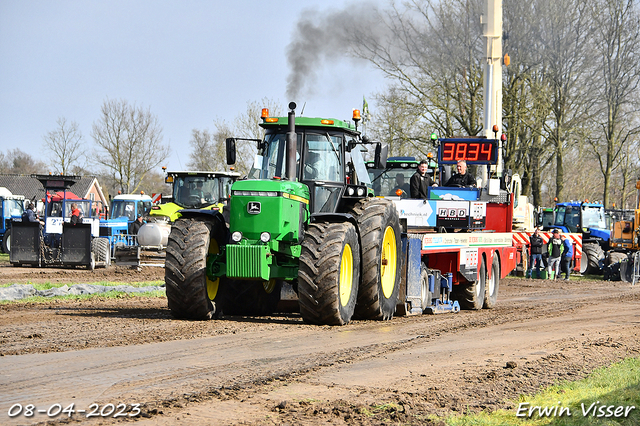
{"points": [[189, 61]]}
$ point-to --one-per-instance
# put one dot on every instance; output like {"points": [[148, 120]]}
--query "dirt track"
{"points": [[277, 370]]}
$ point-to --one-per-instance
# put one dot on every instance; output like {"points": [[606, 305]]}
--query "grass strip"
{"points": [[608, 396]]}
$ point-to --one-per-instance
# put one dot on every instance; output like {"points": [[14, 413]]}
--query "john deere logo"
{"points": [[253, 207]]}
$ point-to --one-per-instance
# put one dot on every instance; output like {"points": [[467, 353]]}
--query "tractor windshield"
{"points": [[195, 192], [387, 182], [568, 216], [547, 218], [322, 157], [271, 160], [13, 208], [128, 209], [593, 217]]}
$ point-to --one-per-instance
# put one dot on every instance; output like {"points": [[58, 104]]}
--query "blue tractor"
{"points": [[11, 207], [124, 210], [589, 220]]}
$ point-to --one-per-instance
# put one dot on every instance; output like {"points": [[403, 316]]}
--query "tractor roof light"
{"points": [[265, 237], [356, 115], [495, 128], [236, 236], [265, 113], [329, 122], [271, 119], [503, 137]]}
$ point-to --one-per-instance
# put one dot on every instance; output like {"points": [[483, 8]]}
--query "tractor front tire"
{"points": [[190, 293], [379, 228], [6, 242], [329, 273], [594, 257]]}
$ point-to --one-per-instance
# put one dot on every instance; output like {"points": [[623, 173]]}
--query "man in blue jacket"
{"points": [[567, 254]]}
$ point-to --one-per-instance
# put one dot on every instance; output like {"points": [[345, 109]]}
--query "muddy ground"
{"points": [[278, 370]]}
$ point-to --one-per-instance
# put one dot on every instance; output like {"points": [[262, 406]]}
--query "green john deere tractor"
{"points": [[305, 219]]}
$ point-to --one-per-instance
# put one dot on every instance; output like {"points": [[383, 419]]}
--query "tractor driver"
{"points": [[462, 178], [401, 185]]}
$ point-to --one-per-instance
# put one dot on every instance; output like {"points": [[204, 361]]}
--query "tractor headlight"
{"points": [[360, 192], [265, 237], [350, 191], [236, 236]]}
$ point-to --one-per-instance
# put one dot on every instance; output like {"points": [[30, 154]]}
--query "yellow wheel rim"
{"points": [[388, 263], [345, 286], [269, 286], [212, 286]]}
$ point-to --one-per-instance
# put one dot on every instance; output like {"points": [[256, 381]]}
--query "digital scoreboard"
{"points": [[473, 151]]}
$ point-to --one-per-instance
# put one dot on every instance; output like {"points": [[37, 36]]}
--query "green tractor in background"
{"points": [[306, 218]]}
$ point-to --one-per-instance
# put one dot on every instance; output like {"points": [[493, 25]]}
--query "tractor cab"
{"points": [[330, 152], [586, 218], [195, 190], [393, 180]]}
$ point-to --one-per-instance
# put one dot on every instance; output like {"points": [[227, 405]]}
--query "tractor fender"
{"points": [[334, 218]]}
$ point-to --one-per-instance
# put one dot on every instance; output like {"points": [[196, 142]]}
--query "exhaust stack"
{"points": [[292, 141]]}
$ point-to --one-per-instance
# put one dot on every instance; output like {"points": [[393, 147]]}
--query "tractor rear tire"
{"points": [[6, 242], [595, 256], [492, 284], [241, 297], [471, 295], [190, 293], [379, 228], [329, 273]]}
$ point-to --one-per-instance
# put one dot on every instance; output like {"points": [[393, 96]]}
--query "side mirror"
{"points": [[231, 150], [380, 158]]}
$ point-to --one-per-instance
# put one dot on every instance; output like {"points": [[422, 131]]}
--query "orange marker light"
{"points": [[330, 122], [356, 115], [495, 128], [271, 119], [399, 192], [265, 113]]}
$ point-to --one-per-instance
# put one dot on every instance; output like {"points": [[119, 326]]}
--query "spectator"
{"points": [[536, 242], [136, 225], [421, 181], [555, 251], [567, 255], [462, 178]]}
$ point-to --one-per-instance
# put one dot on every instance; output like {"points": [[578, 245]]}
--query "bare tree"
{"points": [[432, 51], [618, 46], [19, 162], [209, 149], [129, 140], [65, 144]]}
